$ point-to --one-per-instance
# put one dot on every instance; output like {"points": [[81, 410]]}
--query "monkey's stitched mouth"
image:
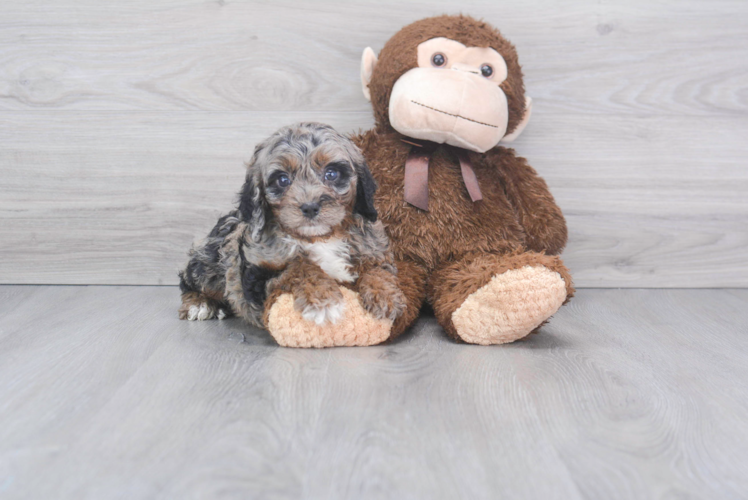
{"points": [[452, 114]]}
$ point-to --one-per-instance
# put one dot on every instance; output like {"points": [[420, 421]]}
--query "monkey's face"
{"points": [[448, 79], [453, 96], [310, 194]]}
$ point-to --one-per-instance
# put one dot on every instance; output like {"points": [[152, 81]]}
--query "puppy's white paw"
{"points": [[320, 315], [201, 313], [205, 312], [221, 314], [335, 312], [192, 313]]}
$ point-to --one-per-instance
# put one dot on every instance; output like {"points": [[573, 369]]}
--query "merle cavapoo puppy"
{"points": [[305, 225]]}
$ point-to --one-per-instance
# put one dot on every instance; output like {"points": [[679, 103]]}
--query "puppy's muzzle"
{"points": [[310, 210]]}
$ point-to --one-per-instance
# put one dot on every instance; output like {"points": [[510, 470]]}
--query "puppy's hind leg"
{"points": [[203, 280], [201, 303], [196, 306]]}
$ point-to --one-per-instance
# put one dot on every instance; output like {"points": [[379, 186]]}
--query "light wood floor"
{"points": [[625, 394]]}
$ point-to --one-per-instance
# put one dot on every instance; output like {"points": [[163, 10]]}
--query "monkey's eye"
{"points": [[283, 180], [438, 59], [331, 174], [486, 70]]}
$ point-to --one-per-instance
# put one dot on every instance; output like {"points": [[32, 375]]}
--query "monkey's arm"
{"points": [[536, 209]]}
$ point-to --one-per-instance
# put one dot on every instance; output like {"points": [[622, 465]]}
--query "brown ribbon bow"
{"points": [[417, 174]]}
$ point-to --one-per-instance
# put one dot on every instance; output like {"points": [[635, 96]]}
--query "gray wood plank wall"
{"points": [[124, 126]]}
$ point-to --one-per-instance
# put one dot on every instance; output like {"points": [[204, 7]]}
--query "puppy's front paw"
{"points": [[320, 301], [380, 295], [331, 313]]}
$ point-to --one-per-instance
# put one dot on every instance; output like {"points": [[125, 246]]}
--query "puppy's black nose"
{"points": [[310, 210]]}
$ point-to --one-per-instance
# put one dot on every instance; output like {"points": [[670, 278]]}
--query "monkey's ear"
{"points": [[366, 186], [252, 205], [522, 124], [368, 61]]}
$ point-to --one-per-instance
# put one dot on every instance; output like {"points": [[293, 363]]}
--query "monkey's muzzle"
{"points": [[449, 106]]}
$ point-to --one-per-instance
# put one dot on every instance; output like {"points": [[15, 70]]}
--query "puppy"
{"points": [[305, 225]]}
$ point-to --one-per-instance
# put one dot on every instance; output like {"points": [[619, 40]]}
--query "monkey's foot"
{"points": [[510, 305], [355, 326]]}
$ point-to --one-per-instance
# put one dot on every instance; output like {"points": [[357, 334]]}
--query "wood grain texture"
{"points": [[626, 394], [125, 126], [579, 55], [645, 215]]}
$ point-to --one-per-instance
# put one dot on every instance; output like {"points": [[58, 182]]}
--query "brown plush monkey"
{"points": [[473, 228], [475, 231]]}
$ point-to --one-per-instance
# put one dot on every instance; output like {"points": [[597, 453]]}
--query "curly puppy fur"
{"points": [[305, 225]]}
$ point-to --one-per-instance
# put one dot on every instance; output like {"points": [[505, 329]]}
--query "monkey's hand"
{"points": [[380, 295]]}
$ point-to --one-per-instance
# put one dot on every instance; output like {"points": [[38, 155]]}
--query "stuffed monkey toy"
{"points": [[473, 228]]}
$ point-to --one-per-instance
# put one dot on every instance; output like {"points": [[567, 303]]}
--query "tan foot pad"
{"points": [[355, 328], [510, 306]]}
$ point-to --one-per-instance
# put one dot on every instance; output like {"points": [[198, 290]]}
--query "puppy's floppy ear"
{"points": [[252, 205], [366, 186]]}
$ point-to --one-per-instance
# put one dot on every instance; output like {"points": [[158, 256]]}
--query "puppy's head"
{"points": [[308, 178]]}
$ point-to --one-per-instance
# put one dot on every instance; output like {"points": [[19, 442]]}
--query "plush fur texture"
{"points": [[510, 306], [522, 299], [356, 327], [299, 230], [458, 248]]}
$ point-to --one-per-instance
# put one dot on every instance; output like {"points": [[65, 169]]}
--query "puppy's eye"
{"points": [[486, 70], [438, 60], [283, 180], [337, 174]]}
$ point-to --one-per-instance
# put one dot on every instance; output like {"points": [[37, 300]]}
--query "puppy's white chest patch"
{"points": [[334, 257]]}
